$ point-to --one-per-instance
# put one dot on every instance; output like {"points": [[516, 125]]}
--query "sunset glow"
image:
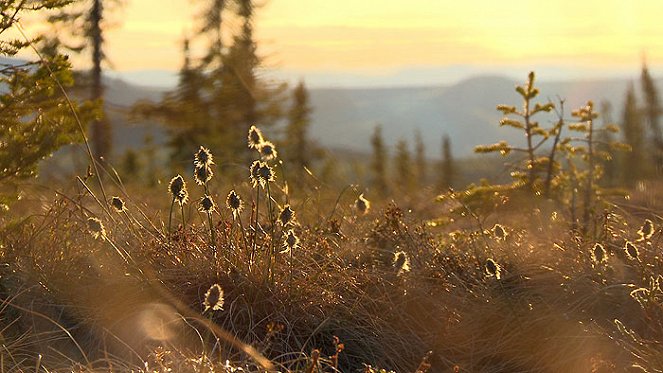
{"points": [[348, 35]]}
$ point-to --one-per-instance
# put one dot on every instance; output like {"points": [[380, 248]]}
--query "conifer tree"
{"points": [[633, 135], [420, 159], [404, 176], [36, 118], [379, 162], [297, 145], [447, 169], [184, 111], [652, 112], [84, 23], [237, 97]]}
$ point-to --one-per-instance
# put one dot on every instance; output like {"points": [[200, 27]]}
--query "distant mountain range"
{"points": [[344, 118]]}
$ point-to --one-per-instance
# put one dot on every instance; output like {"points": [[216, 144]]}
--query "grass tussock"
{"points": [[269, 279]]}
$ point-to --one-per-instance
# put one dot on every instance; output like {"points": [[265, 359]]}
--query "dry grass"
{"points": [[133, 300]]}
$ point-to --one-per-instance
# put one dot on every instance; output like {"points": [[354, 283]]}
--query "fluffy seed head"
{"points": [[96, 228], [207, 204], [255, 137], [254, 170], [214, 298], [493, 269], [183, 197], [267, 151], [118, 204], [647, 230], [499, 232], [631, 250], [286, 216], [265, 174], [202, 174], [203, 157], [401, 262], [598, 254], [362, 204], [176, 185], [234, 203], [291, 241]]}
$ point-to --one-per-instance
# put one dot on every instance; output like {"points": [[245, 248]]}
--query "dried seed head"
{"points": [[493, 269], [183, 197], [290, 242], [202, 174], [267, 151], [214, 298], [265, 174], [96, 228], [255, 137], [203, 157], [286, 216], [499, 232], [255, 173], [598, 254], [207, 204], [631, 250], [176, 185], [234, 203], [362, 204], [401, 262], [118, 204], [647, 230]]}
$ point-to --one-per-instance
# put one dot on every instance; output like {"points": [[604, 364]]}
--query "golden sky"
{"points": [[381, 35]]}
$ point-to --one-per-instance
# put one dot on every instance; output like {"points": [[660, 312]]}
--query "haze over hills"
{"points": [[344, 118]]}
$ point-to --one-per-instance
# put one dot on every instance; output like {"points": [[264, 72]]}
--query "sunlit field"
{"points": [[222, 224]]}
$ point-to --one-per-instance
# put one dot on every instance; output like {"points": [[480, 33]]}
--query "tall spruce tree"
{"points": [[447, 167], [379, 162], [184, 111], [652, 112], [83, 22], [634, 135], [420, 159], [296, 142], [404, 177]]}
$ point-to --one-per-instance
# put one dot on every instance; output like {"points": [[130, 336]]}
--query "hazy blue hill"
{"points": [[344, 118]]}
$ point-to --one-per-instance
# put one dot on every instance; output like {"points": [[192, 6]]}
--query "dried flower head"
{"points": [[118, 204], [96, 228], [401, 262], [214, 298], [598, 254], [234, 203], [286, 216], [255, 137], [631, 250], [493, 269], [207, 204], [362, 204], [203, 157], [265, 174], [267, 151], [647, 230], [499, 232], [176, 185], [290, 242], [202, 174], [254, 170], [183, 196]]}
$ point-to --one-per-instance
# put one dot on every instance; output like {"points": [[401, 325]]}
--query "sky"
{"points": [[387, 37]]}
